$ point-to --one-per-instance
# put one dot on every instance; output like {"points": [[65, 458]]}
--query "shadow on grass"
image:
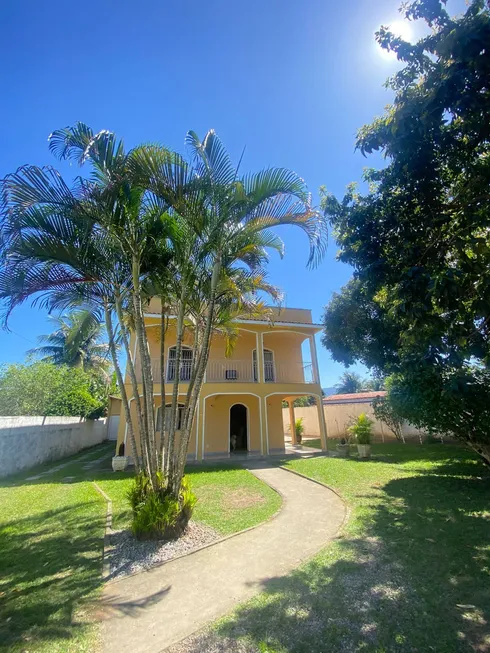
{"points": [[414, 575], [50, 565]]}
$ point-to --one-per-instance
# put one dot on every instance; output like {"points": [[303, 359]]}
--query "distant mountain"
{"points": [[329, 391]]}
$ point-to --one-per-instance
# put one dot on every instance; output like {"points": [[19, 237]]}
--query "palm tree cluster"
{"points": [[146, 223]]}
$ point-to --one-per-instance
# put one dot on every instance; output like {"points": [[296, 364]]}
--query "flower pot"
{"points": [[364, 450], [343, 450], [119, 463]]}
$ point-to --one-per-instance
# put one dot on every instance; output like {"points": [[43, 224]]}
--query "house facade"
{"points": [[240, 404]]}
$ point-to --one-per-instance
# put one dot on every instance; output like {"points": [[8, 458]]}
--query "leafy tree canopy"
{"points": [[419, 238], [47, 389]]}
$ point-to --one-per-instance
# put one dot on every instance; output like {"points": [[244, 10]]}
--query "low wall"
{"points": [[29, 441], [339, 417]]}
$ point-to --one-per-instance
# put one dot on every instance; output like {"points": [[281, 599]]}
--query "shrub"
{"points": [[362, 429], [156, 513], [299, 429]]}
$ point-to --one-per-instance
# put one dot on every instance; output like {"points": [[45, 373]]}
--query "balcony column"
{"points": [[292, 421], [322, 423], [314, 360], [260, 357], [199, 419]]}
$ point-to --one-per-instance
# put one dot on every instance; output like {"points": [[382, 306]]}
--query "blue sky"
{"points": [[290, 81]]}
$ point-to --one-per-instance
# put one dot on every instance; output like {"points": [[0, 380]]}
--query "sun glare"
{"points": [[400, 28]]}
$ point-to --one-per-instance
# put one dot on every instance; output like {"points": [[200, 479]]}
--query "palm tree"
{"points": [[196, 231], [350, 383], [75, 343]]}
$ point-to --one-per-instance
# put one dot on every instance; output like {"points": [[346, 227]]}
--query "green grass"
{"points": [[50, 560], [51, 541], [409, 572], [230, 499]]}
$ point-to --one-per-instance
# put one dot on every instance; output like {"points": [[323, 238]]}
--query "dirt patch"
{"points": [[238, 499]]}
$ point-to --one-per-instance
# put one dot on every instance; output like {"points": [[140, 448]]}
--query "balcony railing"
{"points": [[224, 370], [227, 370]]}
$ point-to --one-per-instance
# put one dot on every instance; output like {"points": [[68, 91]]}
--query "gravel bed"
{"points": [[129, 555]]}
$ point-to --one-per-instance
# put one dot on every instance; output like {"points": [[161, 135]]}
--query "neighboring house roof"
{"points": [[354, 398]]}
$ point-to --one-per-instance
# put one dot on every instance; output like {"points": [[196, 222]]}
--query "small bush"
{"points": [[299, 429], [362, 429], [156, 513]]}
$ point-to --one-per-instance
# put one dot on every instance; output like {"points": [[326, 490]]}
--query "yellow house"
{"points": [[240, 405]]}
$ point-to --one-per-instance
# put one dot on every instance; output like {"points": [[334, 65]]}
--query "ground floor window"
{"points": [[168, 410]]}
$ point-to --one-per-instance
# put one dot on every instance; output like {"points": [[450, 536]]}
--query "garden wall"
{"points": [[339, 417], [29, 441]]}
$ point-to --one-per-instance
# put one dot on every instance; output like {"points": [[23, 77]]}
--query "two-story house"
{"points": [[240, 405]]}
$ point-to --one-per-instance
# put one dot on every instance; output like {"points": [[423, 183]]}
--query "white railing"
{"points": [[184, 372], [296, 372], [228, 370]]}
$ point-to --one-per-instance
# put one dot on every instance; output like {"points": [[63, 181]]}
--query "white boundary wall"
{"points": [[29, 441]]}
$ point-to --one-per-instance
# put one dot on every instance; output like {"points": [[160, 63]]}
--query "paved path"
{"points": [[152, 610]]}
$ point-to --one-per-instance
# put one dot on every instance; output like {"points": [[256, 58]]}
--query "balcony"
{"points": [[227, 370]]}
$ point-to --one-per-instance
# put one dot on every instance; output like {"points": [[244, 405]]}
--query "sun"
{"points": [[400, 28]]}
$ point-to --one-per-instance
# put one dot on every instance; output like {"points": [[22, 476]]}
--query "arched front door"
{"points": [[238, 428]]}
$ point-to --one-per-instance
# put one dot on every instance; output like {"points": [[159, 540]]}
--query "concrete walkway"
{"points": [[152, 610]]}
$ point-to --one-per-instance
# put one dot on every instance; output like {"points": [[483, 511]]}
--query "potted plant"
{"points": [[343, 448], [120, 462], [299, 430], [362, 429]]}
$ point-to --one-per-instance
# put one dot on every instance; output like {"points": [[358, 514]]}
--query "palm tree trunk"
{"points": [[134, 380], [173, 422], [163, 444], [147, 374], [201, 369], [120, 380]]}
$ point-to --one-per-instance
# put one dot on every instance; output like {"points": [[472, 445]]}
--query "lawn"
{"points": [[51, 533], [230, 499], [410, 571]]}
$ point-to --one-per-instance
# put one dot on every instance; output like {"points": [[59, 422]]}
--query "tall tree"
{"points": [[147, 220], [75, 343], [419, 238], [349, 383]]}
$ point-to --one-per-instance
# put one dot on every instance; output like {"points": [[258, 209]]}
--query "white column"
{"points": [[314, 360], [260, 359], [322, 423], [292, 421], [258, 341]]}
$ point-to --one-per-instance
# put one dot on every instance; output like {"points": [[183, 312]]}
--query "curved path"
{"points": [[150, 611]]}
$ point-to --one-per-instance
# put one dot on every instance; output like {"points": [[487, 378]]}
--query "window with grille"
{"points": [[168, 410], [185, 364]]}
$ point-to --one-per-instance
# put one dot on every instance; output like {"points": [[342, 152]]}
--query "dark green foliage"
{"points": [[156, 513], [419, 305], [48, 389]]}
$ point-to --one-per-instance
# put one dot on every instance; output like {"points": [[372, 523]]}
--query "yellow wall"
{"points": [[124, 436], [217, 423], [275, 425]]}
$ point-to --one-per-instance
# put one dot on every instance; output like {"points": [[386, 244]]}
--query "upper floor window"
{"points": [[185, 363], [269, 372]]}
